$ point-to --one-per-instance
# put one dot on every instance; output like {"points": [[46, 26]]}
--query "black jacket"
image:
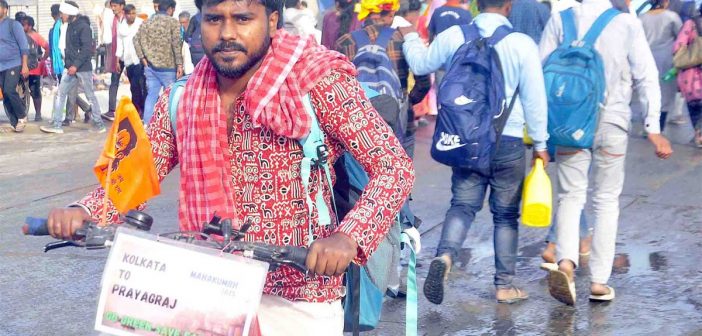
{"points": [[79, 44]]}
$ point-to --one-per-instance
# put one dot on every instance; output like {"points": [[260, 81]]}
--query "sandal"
{"points": [[603, 297], [559, 285], [517, 295]]}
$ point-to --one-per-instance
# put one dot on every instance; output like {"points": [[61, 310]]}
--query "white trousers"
{"points": [[606, 159], [278, 316]]}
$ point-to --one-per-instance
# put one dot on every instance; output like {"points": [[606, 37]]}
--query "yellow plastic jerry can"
{"points": [[537, 197]]}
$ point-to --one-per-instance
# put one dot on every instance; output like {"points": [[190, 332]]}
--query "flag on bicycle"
{"points": [[132, 177]]}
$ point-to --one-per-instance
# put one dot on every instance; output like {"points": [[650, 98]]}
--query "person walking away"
{"points": [[184, 21], [661, 27], [159, 47], [529, 17], [126, 31], [77, 68], [238, 82], [13, 64], [113, 64], [450, 14], [690, 80], [524, 90], [38, 47], [627, 59], [193, 37], [339, 21]]}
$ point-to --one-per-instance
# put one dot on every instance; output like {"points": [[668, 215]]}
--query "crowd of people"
{"points": [[260, 65]]}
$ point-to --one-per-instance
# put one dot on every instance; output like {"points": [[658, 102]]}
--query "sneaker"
{"points": [[67, 122], [110, 115], [436, 279], [97, 130], [21, 124], [39, 118], [51, 129], [698, 139]]}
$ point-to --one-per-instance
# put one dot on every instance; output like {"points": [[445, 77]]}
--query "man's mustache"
{"points": [[229, 46]]}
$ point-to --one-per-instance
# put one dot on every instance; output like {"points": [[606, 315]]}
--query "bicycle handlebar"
{"points": [[92, 236]]}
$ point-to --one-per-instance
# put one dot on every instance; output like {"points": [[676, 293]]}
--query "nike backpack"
{"points": [[472, 111], [575, 84]]}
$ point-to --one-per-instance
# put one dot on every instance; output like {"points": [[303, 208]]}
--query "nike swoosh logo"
{"points": [[444, 148]]}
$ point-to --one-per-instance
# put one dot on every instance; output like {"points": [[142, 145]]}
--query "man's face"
{"points": [[130, 16], [64, 17], [3, 12], [236, 35], [117, 8], [184, 23], [156, 6]]}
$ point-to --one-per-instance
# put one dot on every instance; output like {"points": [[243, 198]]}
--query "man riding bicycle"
{"points": [[236, 139]]}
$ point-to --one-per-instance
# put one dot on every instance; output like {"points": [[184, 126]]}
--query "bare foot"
{"points": [[549, 253], [568, 267], [599, 289]]}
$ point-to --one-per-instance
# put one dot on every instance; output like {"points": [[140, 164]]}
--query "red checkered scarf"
{"points": [[292, 67]]}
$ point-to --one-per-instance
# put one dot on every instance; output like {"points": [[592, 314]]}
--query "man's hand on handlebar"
{"points": [[63, 222], [332, 255]]}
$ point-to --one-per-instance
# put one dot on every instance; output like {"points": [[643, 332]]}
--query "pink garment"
{"points": [[689, 80]]}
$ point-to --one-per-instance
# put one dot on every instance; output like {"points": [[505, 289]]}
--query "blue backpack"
{"points": [[575, 84], [473, 111], [375, 69]]}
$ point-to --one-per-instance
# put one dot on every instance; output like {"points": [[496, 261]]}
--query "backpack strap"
{"points": [[316, 155], [599, 26], [173, 98], [570, 31], [500, 33], [360, 38], [411, 300], [384, 37]]}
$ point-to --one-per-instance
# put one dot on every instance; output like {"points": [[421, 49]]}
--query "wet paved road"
{"points": [[657, 274]]}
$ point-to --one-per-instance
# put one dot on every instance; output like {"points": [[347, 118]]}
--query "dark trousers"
{"points": [[35, 91], [695, 109], [73, 102], [114, 85], [14, 106], [137, 85]]}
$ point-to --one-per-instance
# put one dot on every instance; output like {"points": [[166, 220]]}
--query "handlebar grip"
{"points": [[297, 255], [35, 226]]}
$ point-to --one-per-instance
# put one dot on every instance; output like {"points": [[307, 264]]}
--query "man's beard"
{"points": [[235, 72]]}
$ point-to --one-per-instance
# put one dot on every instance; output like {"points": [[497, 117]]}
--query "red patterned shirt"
{"points": [[268, 187]]}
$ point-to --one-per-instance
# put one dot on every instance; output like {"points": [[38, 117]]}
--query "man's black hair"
{"points": [[414, 5], [164, 5], [483, 4], [20, 15], [29, 20], [156, 2], [55, 12], [271, 6], [118, 2], [129, 8], [4, 4], [292, 3]]}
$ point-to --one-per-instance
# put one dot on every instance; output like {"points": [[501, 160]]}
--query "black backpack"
{"points": [[34, 53]]}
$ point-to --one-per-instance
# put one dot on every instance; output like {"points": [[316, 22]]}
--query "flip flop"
{"points": [[559, 286], [520, 296], [604, 297]]}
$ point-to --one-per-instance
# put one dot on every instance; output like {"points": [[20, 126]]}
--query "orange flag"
{"points": [[132, 178]]}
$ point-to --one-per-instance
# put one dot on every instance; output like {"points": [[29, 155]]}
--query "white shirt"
{"points": [[107, 16], [62, 39], [627, 58], [304, 22], [125, 41]]}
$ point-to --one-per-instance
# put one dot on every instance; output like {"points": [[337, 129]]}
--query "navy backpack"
{"points": [[472, 97], [375, 69]]}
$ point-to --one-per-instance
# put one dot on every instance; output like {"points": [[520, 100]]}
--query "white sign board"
{"points": [[151, 287]]}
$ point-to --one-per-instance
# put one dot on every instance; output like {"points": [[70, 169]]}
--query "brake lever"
{"points": [[59, 244]]}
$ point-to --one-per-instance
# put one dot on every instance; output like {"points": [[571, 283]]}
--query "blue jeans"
{"points": [[66, 88], [155, 81], [469, 191]]}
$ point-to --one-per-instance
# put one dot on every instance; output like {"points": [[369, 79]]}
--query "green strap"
{"points": [[411, 302]]}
